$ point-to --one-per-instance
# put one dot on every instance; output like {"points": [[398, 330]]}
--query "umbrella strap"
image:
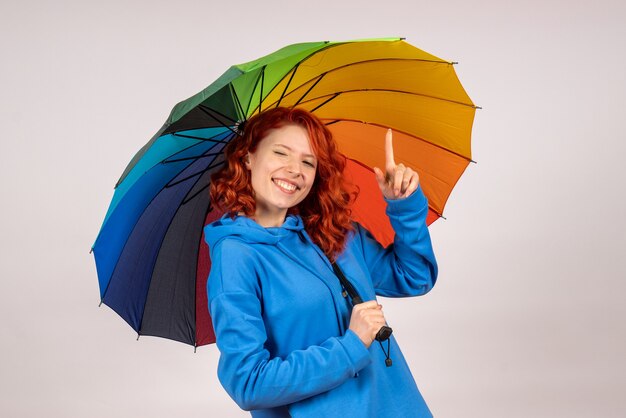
{"points": [[385, 331], [347, 286]]}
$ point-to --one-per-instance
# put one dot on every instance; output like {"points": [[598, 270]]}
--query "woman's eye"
{"points": [[279, 153], [310, 164]]}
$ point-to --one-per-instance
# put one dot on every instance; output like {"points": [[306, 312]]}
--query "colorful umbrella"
{"points": [[150, 254]]}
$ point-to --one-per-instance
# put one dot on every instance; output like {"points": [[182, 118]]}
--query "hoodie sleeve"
{"points": [[408, 266], [253, 378]]}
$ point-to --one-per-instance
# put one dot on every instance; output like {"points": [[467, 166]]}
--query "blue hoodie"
{"points": [[281, 321]]}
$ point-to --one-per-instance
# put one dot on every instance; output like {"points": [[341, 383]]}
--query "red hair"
{"points": [[325, 211]]}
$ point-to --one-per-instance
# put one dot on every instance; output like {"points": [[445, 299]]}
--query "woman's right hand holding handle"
{"points": [[366, 320]]}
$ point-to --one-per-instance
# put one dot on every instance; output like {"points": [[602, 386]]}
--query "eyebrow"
{"points": [[291, 149]]}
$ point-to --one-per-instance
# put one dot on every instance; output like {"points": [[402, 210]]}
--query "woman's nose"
{"points": [[294, 167]]}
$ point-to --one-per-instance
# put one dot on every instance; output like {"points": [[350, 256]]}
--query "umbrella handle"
{"points": [[383, 333]]}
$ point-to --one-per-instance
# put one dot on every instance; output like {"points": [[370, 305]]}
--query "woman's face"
{"points": [[282, 170]]}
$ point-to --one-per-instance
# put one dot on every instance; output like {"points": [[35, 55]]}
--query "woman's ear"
{"points": [[246, 161]]}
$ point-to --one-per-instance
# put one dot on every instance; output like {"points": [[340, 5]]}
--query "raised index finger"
{"points": [[390, 162]]}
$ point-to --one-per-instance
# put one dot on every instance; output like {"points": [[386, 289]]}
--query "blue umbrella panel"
{"points": [[150, 254]]}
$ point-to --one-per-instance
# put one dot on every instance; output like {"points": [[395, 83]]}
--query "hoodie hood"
{"points": [[247, 230]]}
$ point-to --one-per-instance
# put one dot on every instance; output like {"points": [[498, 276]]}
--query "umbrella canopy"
{"points": [[150, 254]]}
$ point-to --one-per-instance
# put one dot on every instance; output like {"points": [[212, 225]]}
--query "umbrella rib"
{"points": [[154, 266], [310, 88], [185, 201], [177, 152], [394, 91], [193, 175], [293, 73], [304, 59], [168, 184], [197, 157], [234, 93], [209, 208], [227, 139], [190, 147], [210, 139], [210, 167], [206, 110], [333, 121], [256, 83], [344, 66], [124, 246], [334, 96]]}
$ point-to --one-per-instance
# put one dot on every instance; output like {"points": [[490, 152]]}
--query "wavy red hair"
{"points": [[326, 209]]}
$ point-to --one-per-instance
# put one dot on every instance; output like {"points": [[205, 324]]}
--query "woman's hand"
{"points": [[398, 181], [366, 320]]}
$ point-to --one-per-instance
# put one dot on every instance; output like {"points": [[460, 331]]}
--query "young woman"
{"points": [[291, 343]]}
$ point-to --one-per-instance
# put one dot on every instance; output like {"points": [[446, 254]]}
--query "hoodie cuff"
{"points": [[417, 199], [357, 352]]}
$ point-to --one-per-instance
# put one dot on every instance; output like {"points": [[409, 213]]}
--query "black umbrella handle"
{"points": [[383, 333]]}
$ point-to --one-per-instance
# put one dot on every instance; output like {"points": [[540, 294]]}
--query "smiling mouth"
{"points": [[285, 186]]}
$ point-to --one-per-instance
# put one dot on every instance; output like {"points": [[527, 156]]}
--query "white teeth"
{"points": [[287, 186]]}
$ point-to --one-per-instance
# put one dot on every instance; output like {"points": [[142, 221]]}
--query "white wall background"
{"points": [[527, 319]]}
